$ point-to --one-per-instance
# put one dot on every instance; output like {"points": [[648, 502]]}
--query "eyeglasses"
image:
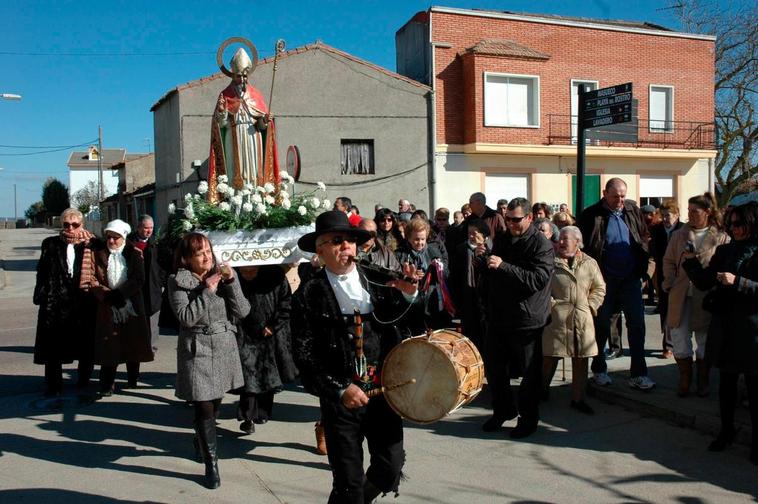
{"points": [[71, 225], [339, 240], [515, 220]]}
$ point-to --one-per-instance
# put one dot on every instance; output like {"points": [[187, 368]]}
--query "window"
{"points": [[661, 109], [656, 188], [357, 157], [588, 86], [511, 100], [505, 186]]}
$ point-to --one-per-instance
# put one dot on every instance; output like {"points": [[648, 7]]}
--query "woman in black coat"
{"points": [[387, 231], [433, 307], [265, 342], [732, 344], [65, 322]]}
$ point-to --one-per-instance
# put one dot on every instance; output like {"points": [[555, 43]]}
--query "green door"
{"points": [[591, 191]]}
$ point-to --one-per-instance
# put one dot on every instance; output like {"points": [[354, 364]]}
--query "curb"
{"points": [[702, 422]]}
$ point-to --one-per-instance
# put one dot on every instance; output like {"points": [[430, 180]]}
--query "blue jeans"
{"points": [[622, 295]]}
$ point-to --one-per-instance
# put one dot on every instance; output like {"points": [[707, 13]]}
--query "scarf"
{"points": [[116, 268], [88, 257]]}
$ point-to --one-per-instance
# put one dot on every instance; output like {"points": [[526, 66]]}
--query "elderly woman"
{"points": [[432, 307], [732, 343], [387, 232], [65, 322], [207, 299], [265, 343], [577, 291], [122, 333], [685, 314]]}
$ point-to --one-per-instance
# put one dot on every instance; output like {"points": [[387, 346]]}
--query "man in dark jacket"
{"points": [[616, 236], [480, 210], [518, 309], [342, 366], [155, 277]]}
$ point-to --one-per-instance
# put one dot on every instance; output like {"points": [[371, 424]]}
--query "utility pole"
{"points": [[100, 188], [15, 205]]}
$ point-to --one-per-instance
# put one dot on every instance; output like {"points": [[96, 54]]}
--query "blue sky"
{"points": [[80, 64]]}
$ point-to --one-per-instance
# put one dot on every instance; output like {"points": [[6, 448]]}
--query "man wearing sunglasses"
{"points": [[517, 301], [343, 326]]}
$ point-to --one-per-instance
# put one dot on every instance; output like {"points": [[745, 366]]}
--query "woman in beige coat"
{"points": [[703, 232], [577, 291]]}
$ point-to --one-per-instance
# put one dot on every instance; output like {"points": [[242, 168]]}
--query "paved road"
{"points": [[137, 445]]}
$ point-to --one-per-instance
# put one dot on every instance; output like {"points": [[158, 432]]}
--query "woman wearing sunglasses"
{"points": [[732, 343], [387, 232], [64, 322]]}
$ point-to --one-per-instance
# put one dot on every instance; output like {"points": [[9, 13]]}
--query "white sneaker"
{"points": [[641, 382], [601, 379]]}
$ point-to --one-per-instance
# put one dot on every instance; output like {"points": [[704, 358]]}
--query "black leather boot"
{"points": [[206, 436]]}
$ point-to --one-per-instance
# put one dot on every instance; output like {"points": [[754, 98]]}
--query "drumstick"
{"points": [[379, 391]]}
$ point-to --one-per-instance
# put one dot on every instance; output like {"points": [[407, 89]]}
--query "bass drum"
{"points": [[448, 373]]}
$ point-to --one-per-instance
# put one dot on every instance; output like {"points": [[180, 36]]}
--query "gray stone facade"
{"points": [[322, 97]]}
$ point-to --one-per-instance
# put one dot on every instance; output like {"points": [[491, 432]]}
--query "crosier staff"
{"points": [[270, 173]]}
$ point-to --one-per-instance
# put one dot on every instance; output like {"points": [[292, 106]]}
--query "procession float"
{"points": [[247, 206]]}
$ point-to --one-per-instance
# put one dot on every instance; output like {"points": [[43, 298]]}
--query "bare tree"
{"points": [[86, 197], [735, 25]]}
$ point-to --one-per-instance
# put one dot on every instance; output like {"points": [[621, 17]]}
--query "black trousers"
{"points": [[108, 374], [728, 401], [509, 355], [255, 407], [54, 375], [345, 431]]}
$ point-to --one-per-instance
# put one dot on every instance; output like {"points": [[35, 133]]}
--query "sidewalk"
{"points": [[699, 413]]}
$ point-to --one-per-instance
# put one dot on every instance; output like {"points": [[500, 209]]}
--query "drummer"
{"points": [[340, 359]]}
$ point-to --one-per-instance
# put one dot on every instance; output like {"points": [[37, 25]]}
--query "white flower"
{"points": [[260, 189], [290, 179], [260, 208], [222, 188], [225, 206], [223, 179], [247, 207], [315, 202], [286, 204], [321, 185], [171, 208], [237, 201], [269, 187], [326, 205], [186, 225], [202, 187], [284, 194], [189, 211], [246, 192], [283, 174], [256, 198], [302, 210], [249, 187], [197, 197], [270, 199], [230, 190], [188, 197]]}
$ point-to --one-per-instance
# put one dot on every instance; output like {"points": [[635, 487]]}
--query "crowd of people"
{"points": [[527, 286]]}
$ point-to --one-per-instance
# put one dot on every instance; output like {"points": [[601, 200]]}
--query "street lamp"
{"points": [[10, 96]]}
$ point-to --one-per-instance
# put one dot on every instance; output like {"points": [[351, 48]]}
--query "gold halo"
{"points": [[226, 43]]}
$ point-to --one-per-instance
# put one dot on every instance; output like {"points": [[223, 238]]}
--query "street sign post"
{"points": [[602, 107]]}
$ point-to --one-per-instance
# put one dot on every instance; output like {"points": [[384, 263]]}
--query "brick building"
{"points": [[505, 104]]}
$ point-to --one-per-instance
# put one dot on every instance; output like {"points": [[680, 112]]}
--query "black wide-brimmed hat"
{"points": [[332, 221]]}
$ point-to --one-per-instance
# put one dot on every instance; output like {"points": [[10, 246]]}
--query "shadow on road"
{"points": [[57, 495], [20, 264]]}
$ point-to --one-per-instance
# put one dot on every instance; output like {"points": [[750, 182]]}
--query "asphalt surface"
{"points": [[136, 446]]}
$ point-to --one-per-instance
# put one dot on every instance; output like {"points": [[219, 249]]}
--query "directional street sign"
{"points": [[603, 107]]}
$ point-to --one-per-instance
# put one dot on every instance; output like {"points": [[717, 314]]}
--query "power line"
{"points": [[105, 54], [57, 149], [41, 146]]}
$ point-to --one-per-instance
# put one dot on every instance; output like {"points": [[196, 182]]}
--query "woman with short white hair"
{"points": [[577, 291]]}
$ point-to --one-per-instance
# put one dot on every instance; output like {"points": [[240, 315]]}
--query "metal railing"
{"points": [[562, 130]]}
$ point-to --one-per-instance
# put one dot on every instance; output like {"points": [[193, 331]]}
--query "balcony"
{"points": [[562, 130]]}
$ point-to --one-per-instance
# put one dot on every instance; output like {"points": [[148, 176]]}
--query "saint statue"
{"points": [[243, 143]]}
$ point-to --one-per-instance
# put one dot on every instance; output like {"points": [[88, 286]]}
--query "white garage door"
{"points": [[505, 186]]}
